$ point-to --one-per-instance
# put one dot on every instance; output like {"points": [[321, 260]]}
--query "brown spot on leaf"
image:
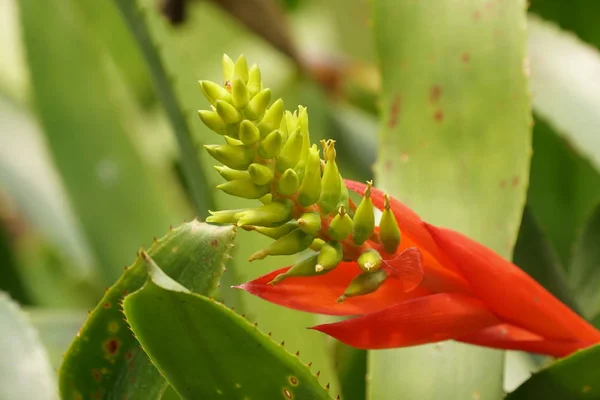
{"points": [[293, 380], [129, 355], [586, 389], [96, 375], [112, 346], [394, 112], [465, 57], [107, 305], [435, 93], [515, 181], [477, 15], [287, 394], [214, 243], [439, 115], [503, 183]]}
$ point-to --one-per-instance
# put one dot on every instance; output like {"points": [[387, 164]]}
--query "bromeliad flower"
{"points": [[407, 282]]}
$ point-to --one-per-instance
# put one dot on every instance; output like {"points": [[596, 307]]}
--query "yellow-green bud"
{"points": [[266, 199], [292, 243], [331, 184], [364, 218], [303, 124], [249, 133], [228, 113], [310, 222], [365, 283], [290, 152], [214, 92], [260, 174], [258, 104], [244, 188], [271, 145], [232, 141], [232, 174], [389, 231], [276, 232], [269, 215], [310, 189], [236, 157], [212, 120], [288, 183], [341, 225], [290, 121], [330, 256], [224, 217], [240, 69], [369, 261], [254, 80], [317, 244], [239, 94], [304, 267], [228, 67], [272, 118]]}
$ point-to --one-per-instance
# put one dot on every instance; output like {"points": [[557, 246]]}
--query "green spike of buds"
{"points": [[288, 183], [240, 69], [389, 231], [292, 243], [364, 218], [230, 174], [228, 113], [245, 189], [364, 283], [310, 222], [270, 146], [369, 261], [275, 232], [290, 152], [249, 133], [214, 92], [212, 120], [341, 225], [268, 215], [272, 118], [258, 104], [310, 189], [236, 157], [330, 255], [331, 183], [224, 217], [260, 174], [239, 93], [254, 80], [304, 267]]}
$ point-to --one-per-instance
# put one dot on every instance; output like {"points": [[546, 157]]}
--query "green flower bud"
{"points": [[310, 189], [369, 261], [330, 256], [214, 92], [228, 66], [331, 184], [389, 231], [290, 152], [232, 141], [272, 118], [260, 174], [276, 232], [288, 183], [254, 80], [245, 189], [212, 120], [310, 222], [266, 199], [241, 69], [236, 157], [290, 121], [227, 112], [271, 145], [292, 243], [232, 174], [249, 133], [317, 244], [269, 215], [224, 217], [341, 225], [239, 94], [303, 124], [364, 218], [258, 104], [304, 267], [365, 283]]}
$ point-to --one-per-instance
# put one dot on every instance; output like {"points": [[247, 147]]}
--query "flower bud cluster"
{"points": [[268, 155]]}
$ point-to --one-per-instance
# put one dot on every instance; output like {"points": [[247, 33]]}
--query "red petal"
{"points": [[511, 293], [422, 320], [510, 337], [318, 294], [407, 267]]}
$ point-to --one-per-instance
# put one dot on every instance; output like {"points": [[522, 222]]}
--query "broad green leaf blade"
{"points": [[572, 378], [584, 274], [455, 146], [114, 196], [105, 359], [216, 353], [351, 368], [565, 85], [25, 371]]}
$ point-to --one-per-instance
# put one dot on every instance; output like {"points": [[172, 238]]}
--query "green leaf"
{"points": [[217, 354], [572, 378], [584, 274], [25, 372], [108, 185], [351, 367], [105, 359], [455, 147]]}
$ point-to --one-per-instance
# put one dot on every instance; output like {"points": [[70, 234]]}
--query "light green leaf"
{"points": [[455, 146]]}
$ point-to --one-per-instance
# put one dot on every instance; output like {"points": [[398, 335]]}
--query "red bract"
{"points": [[442, 285]]}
